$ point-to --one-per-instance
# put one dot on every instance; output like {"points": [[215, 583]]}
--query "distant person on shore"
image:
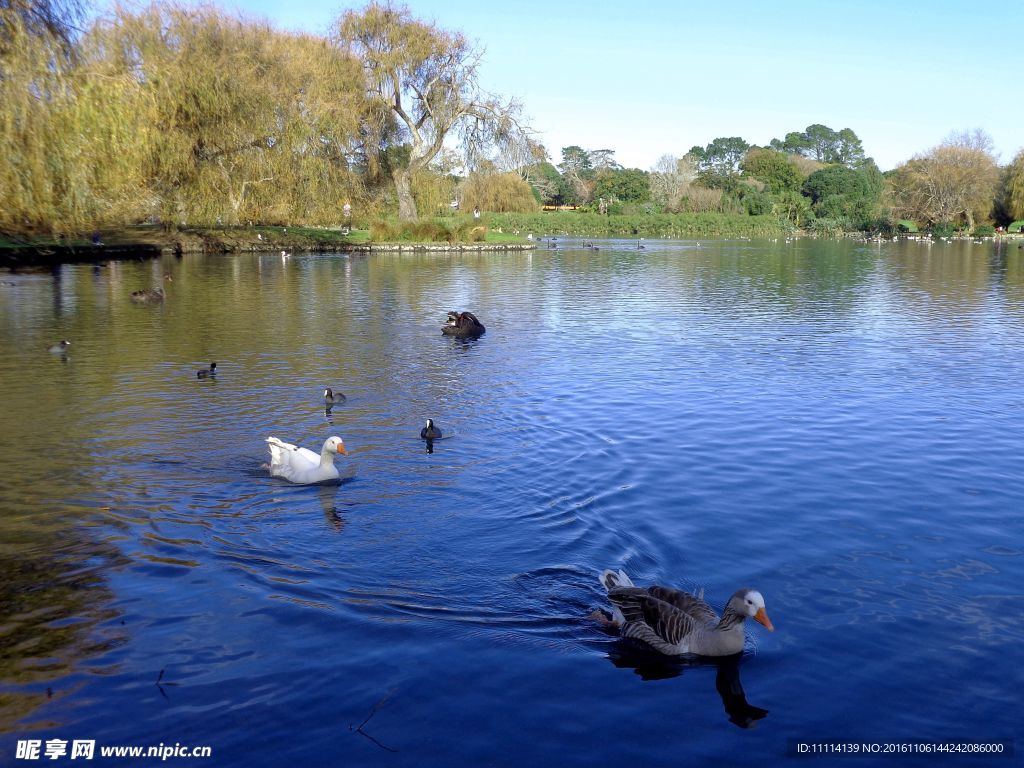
{"points": [[476, 214], [346, 215]]}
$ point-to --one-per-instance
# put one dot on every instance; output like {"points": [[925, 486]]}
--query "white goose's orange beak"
{"points": [[341, 450], [762, 618]]}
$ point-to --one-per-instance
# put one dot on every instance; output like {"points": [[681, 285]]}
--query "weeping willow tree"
{"points": [[1013, 187], [49, 21], [241, 122], [423, 85], [433, 191], [60, 134], [497, 192], [176, 113]]}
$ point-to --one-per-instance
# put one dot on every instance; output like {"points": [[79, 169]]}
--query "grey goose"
{"points": [[676, 623]]}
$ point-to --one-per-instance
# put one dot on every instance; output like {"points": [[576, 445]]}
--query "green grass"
{"points": [[358, 236], [293, 237], [504, 237], [461, 230]]}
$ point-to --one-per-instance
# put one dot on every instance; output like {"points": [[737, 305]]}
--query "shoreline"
{"points": [[147, 243], [151, 245]]}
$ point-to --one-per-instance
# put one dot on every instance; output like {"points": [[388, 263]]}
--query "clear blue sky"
{"points": [[650, 78]]}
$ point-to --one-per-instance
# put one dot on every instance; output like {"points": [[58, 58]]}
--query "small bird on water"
{"points": [[148, 295], [206, 373], [430, 431], [333, 398]]}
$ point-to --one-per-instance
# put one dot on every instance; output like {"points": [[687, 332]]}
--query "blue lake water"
{"points": [[836, 424]]}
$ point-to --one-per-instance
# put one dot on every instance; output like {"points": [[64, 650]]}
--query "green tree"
{"points": [[795, 143], [548, 183], [794, 207], [424, 81], [821, 143], [848, 149], [838, 192], [628, 185], [718, 164], [603, 160], [773, 168], [578, 173]]}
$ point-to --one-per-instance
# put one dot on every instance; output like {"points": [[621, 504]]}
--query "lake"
{"points": [[836, 424]]}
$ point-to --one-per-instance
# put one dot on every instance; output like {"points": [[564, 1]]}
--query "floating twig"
{"points": [[160, 685], [373, 711]]}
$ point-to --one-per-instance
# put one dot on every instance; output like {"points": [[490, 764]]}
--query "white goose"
{"points": [[675, 623], [301, 465]]}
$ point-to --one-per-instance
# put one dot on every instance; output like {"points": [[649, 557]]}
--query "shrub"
{"points": [[883, 225], [906, 225], [829, 227], [1017, 226], [460, 230], [682, 225], [757, 203], [700, 200], [498, 192], [984, 230], [943, 229]]}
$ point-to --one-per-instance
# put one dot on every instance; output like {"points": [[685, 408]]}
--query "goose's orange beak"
{"points": [[762, 618], [341, 450]]}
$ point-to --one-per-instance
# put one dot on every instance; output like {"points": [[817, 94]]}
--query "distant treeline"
{"points": [[190, 116], [817, 179]]}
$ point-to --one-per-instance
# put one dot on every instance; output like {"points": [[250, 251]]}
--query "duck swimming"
{"points": [[147, 295], [206, 373], [676, 623], [333, 398], [430, 431], [60, 347], [463, 325], [301, 465]]}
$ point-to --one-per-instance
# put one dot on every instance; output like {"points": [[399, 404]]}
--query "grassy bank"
{"points": [[680, 225], [145, 241], [456, 230], [191, 239]]}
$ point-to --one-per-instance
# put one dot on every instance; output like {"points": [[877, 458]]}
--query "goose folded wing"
{"points": [[691, 605], [308, 455], [638, 605]]}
